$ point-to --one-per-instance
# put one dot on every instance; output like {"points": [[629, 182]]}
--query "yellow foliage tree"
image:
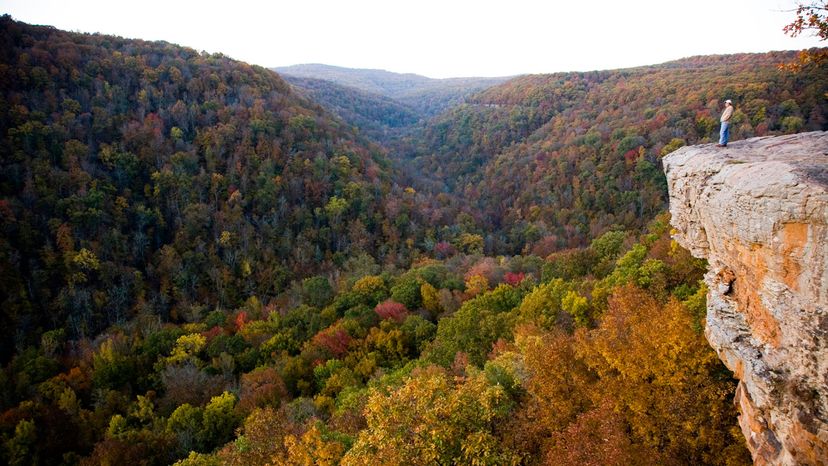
{"points": [[476, 284], [470, 243], [577, 306], [311, 449], [261, 439], [430, 420], [187, 348], [369, 284], [542, 305], [663, 377], [431, 299], [559, 383]]}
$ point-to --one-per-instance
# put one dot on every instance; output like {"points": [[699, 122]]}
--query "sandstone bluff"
{"points": [[758, 212]]}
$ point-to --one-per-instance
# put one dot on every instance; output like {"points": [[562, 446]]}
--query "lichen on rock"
{"points": [[757, 210]]}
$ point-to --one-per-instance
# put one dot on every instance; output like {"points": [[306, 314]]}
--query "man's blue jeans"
{"points": [[724, 133]]}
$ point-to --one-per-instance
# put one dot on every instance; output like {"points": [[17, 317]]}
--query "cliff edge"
{"points": [[757, 210]]}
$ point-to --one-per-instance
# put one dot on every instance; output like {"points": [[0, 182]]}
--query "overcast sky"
{"points": [[439, 38]]}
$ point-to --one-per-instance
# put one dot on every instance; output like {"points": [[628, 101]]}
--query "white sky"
{"points": [[437, 38]]}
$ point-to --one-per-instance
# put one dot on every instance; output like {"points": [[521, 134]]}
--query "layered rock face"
{"points": [[758, 211]]}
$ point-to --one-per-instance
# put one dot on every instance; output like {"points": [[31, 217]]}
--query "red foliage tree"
{"points": [[514, 278], [390, 309], [241, 320], [333, 339]]}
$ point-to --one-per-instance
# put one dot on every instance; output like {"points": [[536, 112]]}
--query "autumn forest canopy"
{"points": [[208, 262]]}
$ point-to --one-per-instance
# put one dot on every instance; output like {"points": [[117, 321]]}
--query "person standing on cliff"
{"points": [[724, 133]]}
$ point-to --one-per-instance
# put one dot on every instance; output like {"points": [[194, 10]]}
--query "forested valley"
{"points": [[203, 263]]}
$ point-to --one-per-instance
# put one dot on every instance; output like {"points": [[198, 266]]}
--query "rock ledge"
{"points": [[757, 210]]}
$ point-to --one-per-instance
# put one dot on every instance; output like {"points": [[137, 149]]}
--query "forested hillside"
{"points": [[544, 162], [427, 96], [142, 177]]}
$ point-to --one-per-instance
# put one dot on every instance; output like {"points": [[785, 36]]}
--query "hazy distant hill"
{"points": [[426, 95], [377, 81], [377, 116]]}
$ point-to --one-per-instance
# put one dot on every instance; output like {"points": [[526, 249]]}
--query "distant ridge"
{"points": [[369, 80], [428, 96], [376, 115]]}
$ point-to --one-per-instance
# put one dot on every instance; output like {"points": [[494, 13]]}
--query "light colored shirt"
{"points": [[728, 112]]}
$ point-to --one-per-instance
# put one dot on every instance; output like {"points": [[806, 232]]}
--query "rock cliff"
{"points": [[757, 210]]}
